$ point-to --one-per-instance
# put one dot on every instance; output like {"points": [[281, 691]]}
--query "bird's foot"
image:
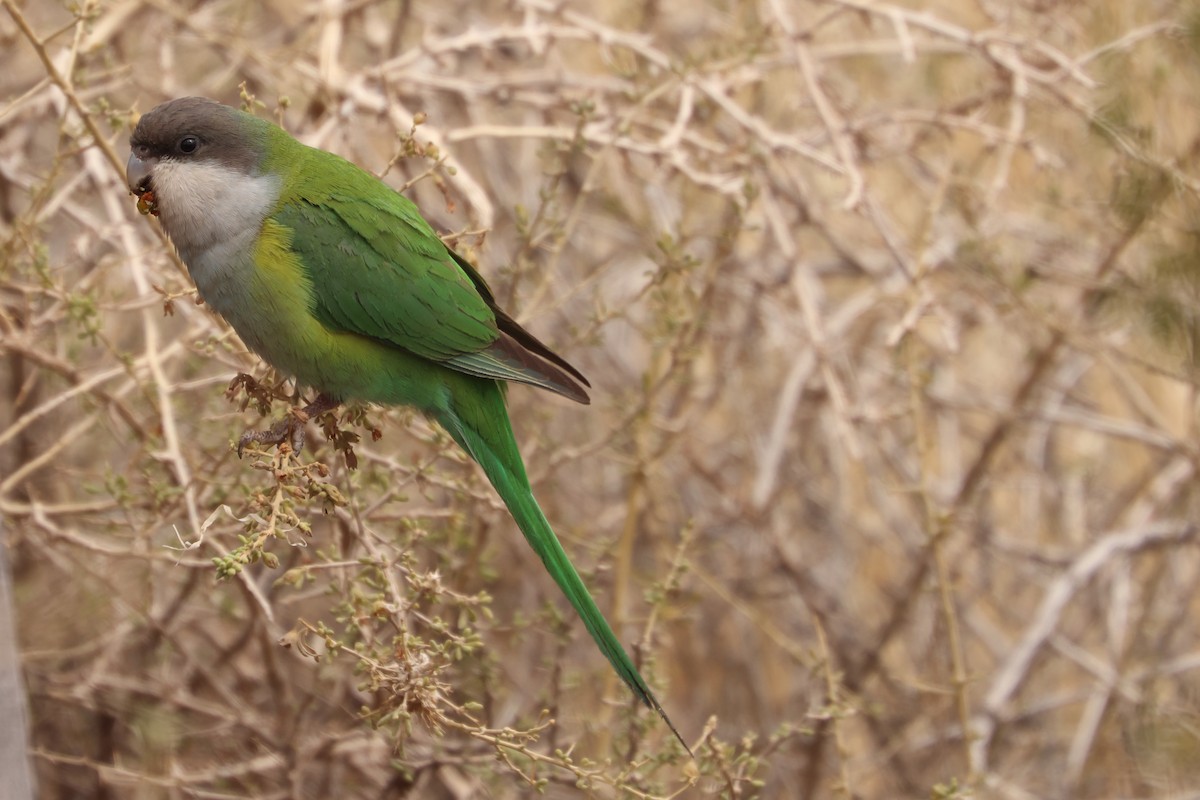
{"points": [[291, 428]]}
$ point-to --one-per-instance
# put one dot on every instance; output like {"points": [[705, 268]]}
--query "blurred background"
{"points": [[889, 478]]}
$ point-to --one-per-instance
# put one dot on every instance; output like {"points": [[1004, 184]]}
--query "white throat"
{"points": [[204, 205], [213, 215]]}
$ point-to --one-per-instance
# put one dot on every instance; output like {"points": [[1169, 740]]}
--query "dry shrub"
{"points": [[891, 318]]}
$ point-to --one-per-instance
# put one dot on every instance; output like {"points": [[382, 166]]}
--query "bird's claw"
{"points": [[290, 430]]}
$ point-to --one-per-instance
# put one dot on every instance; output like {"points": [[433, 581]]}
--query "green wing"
{"points": [[379, 270]]}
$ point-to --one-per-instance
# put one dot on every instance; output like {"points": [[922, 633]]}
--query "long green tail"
{"points": [[484, 431]]}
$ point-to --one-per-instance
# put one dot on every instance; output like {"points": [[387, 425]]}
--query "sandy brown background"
{"points": [[890, 477]]}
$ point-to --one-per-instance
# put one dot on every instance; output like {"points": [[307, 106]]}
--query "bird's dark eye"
{"points": [[189, 144]]}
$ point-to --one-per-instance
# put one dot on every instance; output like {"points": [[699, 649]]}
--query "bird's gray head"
{"points": [[199, 167], [190, 130]]}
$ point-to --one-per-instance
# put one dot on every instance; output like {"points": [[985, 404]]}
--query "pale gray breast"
{"points": [[213, 215]]}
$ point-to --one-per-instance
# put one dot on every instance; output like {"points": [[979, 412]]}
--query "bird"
{"points": [[336, 280]]}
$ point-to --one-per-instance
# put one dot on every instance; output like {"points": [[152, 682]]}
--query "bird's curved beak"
{"points": [[138, 172]]}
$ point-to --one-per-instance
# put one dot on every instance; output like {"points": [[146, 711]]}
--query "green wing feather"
{"points": [[379, 270], [387, 281]]}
